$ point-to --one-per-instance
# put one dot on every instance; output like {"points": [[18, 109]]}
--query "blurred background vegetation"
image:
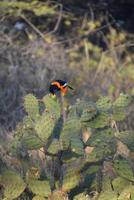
{"points": [[90, 44]]}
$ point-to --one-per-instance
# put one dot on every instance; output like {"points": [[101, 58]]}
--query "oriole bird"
{"points": [[59, 86]]}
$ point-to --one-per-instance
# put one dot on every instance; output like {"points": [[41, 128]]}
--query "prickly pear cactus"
{"points": [[31, 141], [71, 129], [54, 147], [77, 145], [64, 159], [38, 197], [108, 195], [86, 110], [119, 184], [31, 106], [122, 101], [71, 179], [103, 142], [127, 193], [81, 197], [13, 185], [119, 107], [127, 137], [44, 126], [104, 104], [124, 169], [52, 105], [100, 121], [58, 195], [38, 187], [36, 128]]}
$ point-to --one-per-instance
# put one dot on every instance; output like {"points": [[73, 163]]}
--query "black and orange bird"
{"points": [[59, 86]]}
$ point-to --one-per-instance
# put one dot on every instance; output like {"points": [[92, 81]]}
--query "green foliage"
{"points": [[52, 105], [38, 187], [127, 193], [13, 184], [38, 197], [44, 126], [108, 195], [36, 129], [124, 169], [106, 64], [54, 147], [72, 128], [104, 103], [119, 107], [119, 184], [89, 111], [101, 137], [127, 137], [31, 106], [36, 7], [122, 101], [31, 141], [100, 121], [77, 145], [81, 197], [104, 143], [63, 162], [71, 179]]}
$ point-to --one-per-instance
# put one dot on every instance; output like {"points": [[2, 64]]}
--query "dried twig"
{"points": [[57, 23], [42, 35], [81, 37], [32, 26]]}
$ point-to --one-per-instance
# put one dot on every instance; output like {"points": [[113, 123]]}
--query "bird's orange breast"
{"points": [[63, 89]]}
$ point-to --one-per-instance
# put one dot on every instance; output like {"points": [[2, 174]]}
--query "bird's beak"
{"points": [[69, 86]]}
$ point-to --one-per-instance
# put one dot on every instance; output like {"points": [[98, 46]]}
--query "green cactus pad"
{"points": [[52, 105], [64, 143], [101, 150], [89, 111], [119, 107], [44, 126], [38, 197], [104, 104], [70, 180], [30, 141], [41, 188], [22, 128], [108, 195], [27, 122], [84, 110], [101, 137], [119, 184], [127, 193], [122, 101], [118, 114], [54, 146], [123, 169], [13, 184], [81, 196], [71, 127], [127, 137], [31, 106], [100, 121], [77, 145]]}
